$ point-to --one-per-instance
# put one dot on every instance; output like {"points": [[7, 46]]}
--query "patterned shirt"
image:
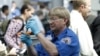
{"points": [[11, 37]]}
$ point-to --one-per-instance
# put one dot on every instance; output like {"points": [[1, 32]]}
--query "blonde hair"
{"points": [[60, 12]]}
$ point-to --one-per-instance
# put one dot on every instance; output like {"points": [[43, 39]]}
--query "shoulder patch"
{"points": [[66, 40]]}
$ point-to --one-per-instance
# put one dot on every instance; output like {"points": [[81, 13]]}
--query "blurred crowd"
{"points": [[71, 31]]}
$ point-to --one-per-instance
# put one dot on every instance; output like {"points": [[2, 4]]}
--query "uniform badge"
{"points": [[66, 40]]}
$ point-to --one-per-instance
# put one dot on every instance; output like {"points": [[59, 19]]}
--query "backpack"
{"points": [[5, 24]]}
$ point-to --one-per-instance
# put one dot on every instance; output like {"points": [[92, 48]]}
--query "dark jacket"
{"points": [[95, 30]]}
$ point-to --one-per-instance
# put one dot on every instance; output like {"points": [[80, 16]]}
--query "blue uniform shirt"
{"points": [[66, 42]]}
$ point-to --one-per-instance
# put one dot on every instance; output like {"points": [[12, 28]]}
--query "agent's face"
{"points": [[56, 23]]}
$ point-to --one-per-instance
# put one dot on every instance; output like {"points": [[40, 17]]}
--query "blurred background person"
{"points": [[78, 24], [44, 20], [15, 27], [39, 13], [90, 18], [15, 11], [95, 30], [4, 13], [3, 19], [44, 9]]}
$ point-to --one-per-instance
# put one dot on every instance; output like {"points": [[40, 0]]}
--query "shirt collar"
{"points": [[77, 12], [78, 16], [62, 34]]}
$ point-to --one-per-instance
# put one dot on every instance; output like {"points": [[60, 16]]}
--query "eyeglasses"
{"points": [[53, 19]]}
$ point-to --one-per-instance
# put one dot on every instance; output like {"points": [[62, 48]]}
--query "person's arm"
{"points": [[39, 23], [47, 44], [12, 30], [31, 51], [86, 41]]}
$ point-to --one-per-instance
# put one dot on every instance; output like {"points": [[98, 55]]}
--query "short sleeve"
{"points": [[63, 49], [67, 47], [39, 23]]}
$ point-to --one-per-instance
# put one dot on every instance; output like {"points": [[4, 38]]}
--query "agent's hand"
{"points": [[26, 39], [33, 25]]}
